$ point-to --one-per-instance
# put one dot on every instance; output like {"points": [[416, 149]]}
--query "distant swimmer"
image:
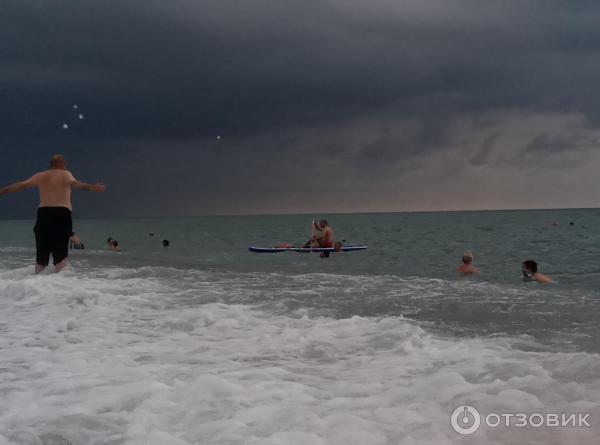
{"points": [[114, 245], [75, 242], [166, 243], [467, 264], [54, 223], [529, 269]]}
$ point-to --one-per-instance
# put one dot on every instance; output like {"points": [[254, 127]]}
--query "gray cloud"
{"points": [[483, 154], [370, 90], [547, 144]]}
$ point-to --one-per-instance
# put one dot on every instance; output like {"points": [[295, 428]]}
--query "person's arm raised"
{"points": [[19, 186], [97, 187]]}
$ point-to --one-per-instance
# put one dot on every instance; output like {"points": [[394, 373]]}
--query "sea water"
{"points": [[207, 343]]}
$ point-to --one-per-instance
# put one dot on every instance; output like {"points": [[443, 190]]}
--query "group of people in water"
{"points": [[113, 245], [54, 226], [53, 230], [529, 269]]}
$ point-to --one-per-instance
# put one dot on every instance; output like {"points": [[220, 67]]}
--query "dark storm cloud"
{"points": [[283, 82], [559, 150]]}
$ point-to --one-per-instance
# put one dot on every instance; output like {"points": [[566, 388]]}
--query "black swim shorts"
{"points": [[52, 231]]}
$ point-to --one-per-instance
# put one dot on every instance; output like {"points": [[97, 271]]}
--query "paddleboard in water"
{"points": [[303, 249]]}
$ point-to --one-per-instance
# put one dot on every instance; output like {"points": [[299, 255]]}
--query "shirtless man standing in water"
{"points": [[54, 225]]}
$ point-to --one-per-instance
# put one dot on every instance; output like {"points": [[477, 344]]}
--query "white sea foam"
{"points": [[151, 356]]}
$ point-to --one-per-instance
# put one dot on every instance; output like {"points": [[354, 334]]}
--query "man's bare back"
{"points": [[54, 187], [54, 226]]}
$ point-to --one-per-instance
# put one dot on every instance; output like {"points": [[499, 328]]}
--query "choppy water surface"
{"points": [[208, 343]]}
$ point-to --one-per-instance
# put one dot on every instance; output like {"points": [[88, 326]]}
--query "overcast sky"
{"points": [[267, 106]]}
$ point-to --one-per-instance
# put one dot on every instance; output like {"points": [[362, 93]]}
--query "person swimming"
{"points": [[467, 263], [529, 269], [114, 245], [166, 243], [75, 242]]}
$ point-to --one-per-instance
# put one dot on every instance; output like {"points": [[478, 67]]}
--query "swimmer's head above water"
{"points": [[467, 257], [529, 268]]}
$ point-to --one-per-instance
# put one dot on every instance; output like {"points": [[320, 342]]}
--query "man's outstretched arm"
{"points": [[18, 186], [97, 187]]}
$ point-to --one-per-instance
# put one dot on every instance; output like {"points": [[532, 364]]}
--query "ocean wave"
{"points": [[164, 356]]}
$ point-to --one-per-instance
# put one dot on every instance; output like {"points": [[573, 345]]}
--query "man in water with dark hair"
{"points": [[529, 269], [54, 224]]}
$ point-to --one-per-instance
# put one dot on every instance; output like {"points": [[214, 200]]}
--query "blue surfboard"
{"points": [[303, 249]]}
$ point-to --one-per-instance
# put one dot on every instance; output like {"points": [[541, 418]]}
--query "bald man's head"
{"points": [[58, 162]]}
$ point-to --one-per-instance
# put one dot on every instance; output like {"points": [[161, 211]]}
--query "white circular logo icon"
{"points": [[465, 420]]}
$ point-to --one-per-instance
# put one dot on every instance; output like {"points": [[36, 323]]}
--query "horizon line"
{"points": [[378, 212]]}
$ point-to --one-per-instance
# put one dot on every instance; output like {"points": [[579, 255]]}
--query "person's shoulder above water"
{"points": [[541, 278], [466, 269]]}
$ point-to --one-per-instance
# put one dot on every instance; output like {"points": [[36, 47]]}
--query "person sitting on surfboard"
{"points": [[322, 239]]}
